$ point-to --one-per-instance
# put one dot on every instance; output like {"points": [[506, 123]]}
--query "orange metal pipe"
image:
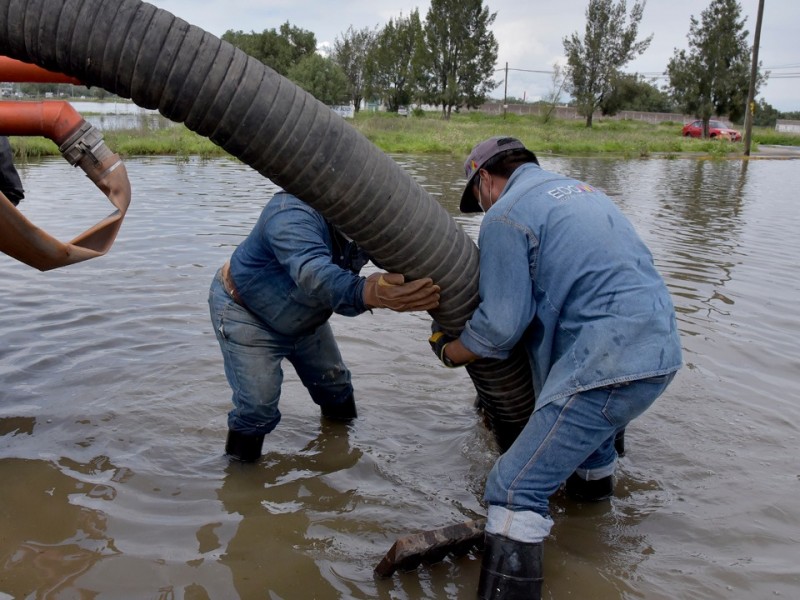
{"points": [[16, 71], [53, 119], [83, 146]]}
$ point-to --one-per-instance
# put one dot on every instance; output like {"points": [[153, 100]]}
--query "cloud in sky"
{"points": [[530, 33]]}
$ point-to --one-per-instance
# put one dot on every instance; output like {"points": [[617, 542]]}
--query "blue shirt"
{"points": [[294, 270], [563, 270]]}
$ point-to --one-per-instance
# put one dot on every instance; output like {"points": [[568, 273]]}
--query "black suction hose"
{"points": [[138, 51]]}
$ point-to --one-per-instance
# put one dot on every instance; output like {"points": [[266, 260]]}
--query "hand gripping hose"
{"points": [[137, 51]]}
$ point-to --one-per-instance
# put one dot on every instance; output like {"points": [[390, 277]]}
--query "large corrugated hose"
{"points": [[137, 51]]}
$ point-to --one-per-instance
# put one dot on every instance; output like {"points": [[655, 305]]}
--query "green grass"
{"points": [[172, 141], [429, 134], [766, 135]]}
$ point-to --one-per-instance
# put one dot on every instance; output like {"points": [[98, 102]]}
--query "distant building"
{"points": [[787, 126]]}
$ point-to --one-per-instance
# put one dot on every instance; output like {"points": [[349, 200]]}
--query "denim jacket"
{"points": [[294, 270], [563, 270]]}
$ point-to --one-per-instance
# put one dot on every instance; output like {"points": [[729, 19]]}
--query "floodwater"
{"points": [[111, 115], [113, 482]]}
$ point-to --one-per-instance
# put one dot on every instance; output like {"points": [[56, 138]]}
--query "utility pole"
{"points": [[505, 93], [750, 111]]}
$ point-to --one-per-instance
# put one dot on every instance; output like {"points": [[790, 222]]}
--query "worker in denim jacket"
{"points": [[272, 301], [563, 271], [10, 184]]}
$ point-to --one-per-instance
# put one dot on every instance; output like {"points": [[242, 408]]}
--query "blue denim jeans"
{"points": [[253, 353], [572, 434]]}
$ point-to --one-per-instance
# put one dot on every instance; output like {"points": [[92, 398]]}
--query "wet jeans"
{"points": [[572, 434], [253, 354]]}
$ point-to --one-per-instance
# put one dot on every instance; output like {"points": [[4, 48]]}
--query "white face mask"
{"points": [[480, 195]]}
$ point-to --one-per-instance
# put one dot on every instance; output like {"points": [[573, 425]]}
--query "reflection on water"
{"points": [[290, 515], [113, 403], [49, 544]]}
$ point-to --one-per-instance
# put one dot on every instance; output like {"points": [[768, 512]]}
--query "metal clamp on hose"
{"points": [[86, 149]]}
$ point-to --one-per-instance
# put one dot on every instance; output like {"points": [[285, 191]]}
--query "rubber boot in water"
{"points": [[243, 447], [510, 570], [619, 443], [595, 490], [343, 411]]}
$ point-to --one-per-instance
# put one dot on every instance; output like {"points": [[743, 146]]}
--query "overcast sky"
{"points": [[529, 32]]}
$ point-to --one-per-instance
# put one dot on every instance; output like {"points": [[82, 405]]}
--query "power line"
{"points": [[661, 75], [794, 66], [531, 71], [524, 71]]}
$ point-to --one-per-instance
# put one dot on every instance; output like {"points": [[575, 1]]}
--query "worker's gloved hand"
{"points": [[389, 290], [438, 341]]}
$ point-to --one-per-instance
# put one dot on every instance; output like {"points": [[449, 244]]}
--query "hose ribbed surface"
{"points": [[161, 62]]}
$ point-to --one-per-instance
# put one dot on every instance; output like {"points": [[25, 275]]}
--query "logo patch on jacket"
{"points": [[569, 190]]}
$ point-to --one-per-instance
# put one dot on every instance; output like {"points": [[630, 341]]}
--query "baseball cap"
{"points": [[479, 156]]}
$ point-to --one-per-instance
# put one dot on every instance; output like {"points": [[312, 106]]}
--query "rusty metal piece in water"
{"points": [[429, 547]]}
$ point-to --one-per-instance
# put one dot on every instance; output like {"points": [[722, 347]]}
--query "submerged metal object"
{"points": [[432, 546]]}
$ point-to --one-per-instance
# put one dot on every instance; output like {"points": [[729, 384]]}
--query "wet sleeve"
{"points": [[299, 239], [507, 304]]}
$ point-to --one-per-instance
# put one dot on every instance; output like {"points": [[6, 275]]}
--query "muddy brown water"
{"points": [[113, 402]]}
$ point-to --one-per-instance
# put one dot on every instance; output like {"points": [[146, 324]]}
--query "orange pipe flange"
{"points": [[16, 71]]}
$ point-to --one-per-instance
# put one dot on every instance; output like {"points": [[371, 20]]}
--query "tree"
{"points": [[322, 78], [394, 65], [553, 97], [766, 115], [249, 43], [633, 92], [461, 53], [608, 45], [713, 76], [277, 49], [350, 53]]}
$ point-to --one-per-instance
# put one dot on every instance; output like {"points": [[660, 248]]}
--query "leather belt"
{"points": [[227, 283]]}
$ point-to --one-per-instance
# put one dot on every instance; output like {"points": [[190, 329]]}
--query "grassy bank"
{"points": [[171, 141], [429, 134]]}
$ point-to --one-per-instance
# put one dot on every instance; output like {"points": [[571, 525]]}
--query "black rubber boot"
{"points": [[510, 570], [343, 411], [595, 490], [619, 443], [243, 447]]}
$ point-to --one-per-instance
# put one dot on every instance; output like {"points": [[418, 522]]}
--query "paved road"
{"points": [[766, 151]]}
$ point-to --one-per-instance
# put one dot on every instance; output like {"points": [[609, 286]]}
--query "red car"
{"points": [[716, 129]]}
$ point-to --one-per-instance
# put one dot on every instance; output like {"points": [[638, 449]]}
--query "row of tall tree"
{"points": [[447, 60], [709, 78]]}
